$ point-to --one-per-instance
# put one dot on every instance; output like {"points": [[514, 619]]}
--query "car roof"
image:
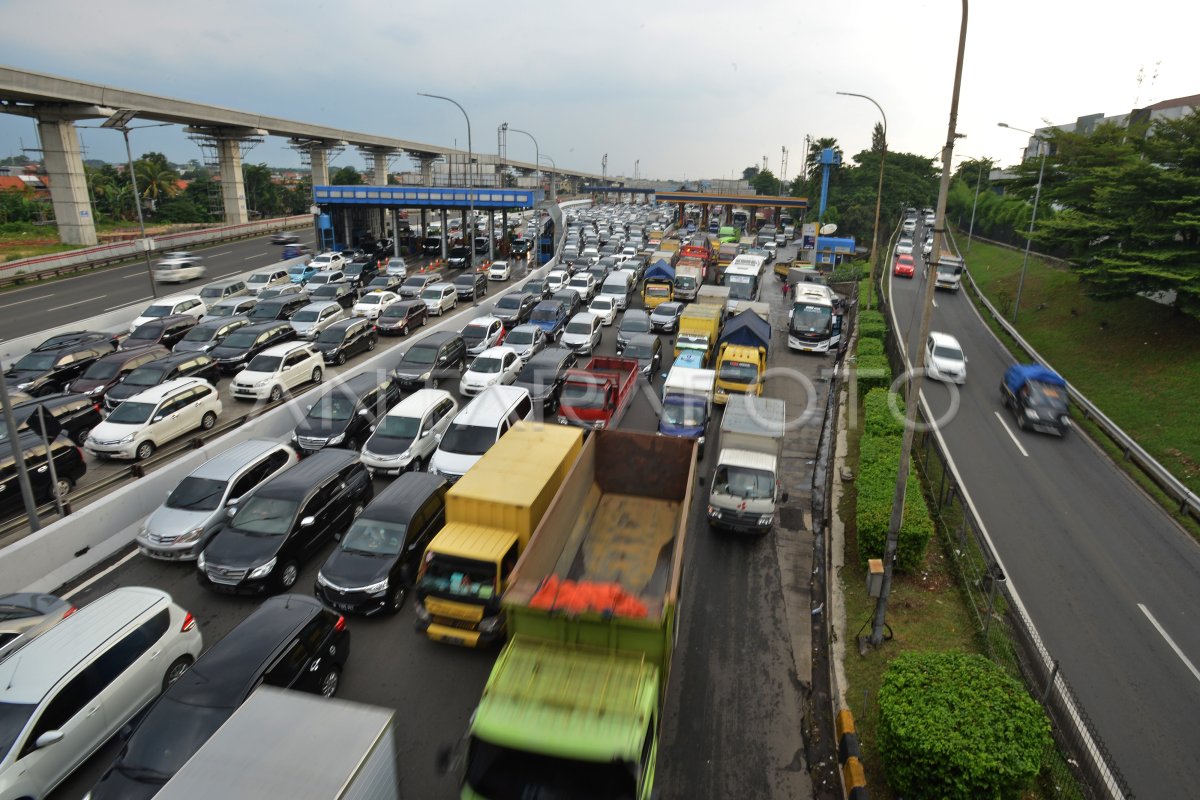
{"points": [[343, 324], [157, 393], [944, 338], [283, 348], [172, 359], [551, 356], [296, 481], [496, 352], [121, 356], [179, 298], [487, 319], [404, 496], [319, 304], [584, 316], [169, 319], [442, 285], [639, 338]]}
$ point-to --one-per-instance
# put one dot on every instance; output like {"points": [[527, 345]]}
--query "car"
{"points": [[283, 522], [293, 251], [944, 359], [909, 225], [345, 339], [570, 299], [520, 248], [69, 467], [372, 303], [458, 257], [387, 283], [482, 333], [60, 340], [328, 261], [208, 334], [927, 247], [26, 615], [415, 284], [271, 277], [45, 372], [543, 375], [904, 246], [341, 293], [527, 340], [583, 333], [471, 285], [477, 426], [514, 308], [76, 415], [161, 370], [290, 642], [634, 322], [551, 317], [180, 528], [604, 307], [147, 420], [396, 267], [109, 370], [537, 287], [276, 371], [665, 317], [223, 290], [772, 248], [181, 304], [440, 355], [376, 561], [499, 271], [405, 437], [905, 267], [647, 349], [313, 318], [401, 317], [244, 343], [440, 298], [301, 273], [494, 366], [282, 291], [342, 417], [361, 271], [231, 307], [285, 237], [277, 308], [326, 276], [178, 267], [166, 331], [557, 279], [584, 284]]}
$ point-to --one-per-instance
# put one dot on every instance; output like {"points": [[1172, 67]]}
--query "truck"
{"points": [[746, 489], [725, 256], [1037, 395], [658, 284], [689, 275], [668, 257], [490, 514], [712, 295], [763, 310], [949, 272], [670, 245], [234, 765], [698, 328], [702, 250], [597, 395], [687, 404], [573, 705], [741, 356]]}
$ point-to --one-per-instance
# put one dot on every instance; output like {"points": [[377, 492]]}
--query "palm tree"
{"points": [[154, 183]]}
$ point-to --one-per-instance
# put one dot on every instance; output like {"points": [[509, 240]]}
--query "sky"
{"points": [[675, 90]]}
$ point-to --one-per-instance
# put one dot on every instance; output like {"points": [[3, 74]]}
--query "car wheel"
{"points": [[1021, 423], [81, 436], [288, 574], [397, 597], [208, 421], [330, 680], [144, 451], [371, 345], [276, 394], [341, 358], [404, 330], [317, 374], [49, 389], [176, 670], [64, 485]]}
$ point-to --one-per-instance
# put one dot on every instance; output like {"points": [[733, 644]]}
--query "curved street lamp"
{"points": [[1037, 195], [878, 194], [470, 174]]}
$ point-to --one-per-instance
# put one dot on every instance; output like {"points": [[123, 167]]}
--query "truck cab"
{"points": [[597, 395], [687, 403], [746, 488], [698, 329], [739, 370]]}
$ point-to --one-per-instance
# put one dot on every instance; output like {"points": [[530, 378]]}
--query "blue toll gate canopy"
{"points": [[424, 197]]}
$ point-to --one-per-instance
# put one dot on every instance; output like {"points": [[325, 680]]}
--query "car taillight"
{"points": [[189, 622], [69, 612], [340, 625], [96, 406], [79, 450]]}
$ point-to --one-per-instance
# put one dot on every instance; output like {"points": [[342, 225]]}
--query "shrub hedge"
{"points": [[878, 418], [871, 346], [879, 461], [873, 372]]}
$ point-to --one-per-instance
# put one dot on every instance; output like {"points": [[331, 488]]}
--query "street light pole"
{"points": [[878, 195], [1037, 195], [978, 183], [553, 188], [470, 177], [536, 155], [120, 120]]}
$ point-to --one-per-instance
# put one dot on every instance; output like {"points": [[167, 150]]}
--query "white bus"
{"points": [[814, 320], [743, 276]]}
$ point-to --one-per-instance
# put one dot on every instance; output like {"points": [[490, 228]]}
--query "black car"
{"points": [[77, 414], [235, 352], [161, 370], [376, 560], [107, 371], [633, 322], [543, 376], [277, 308], [438, 356], [470, 285], [538, 288], [341, 293], [343, 416], [665, 317], [166, 331], [402, 317], [361, 271], [290, 642], [514, 308], [208, 334], [69, 467], [60, 340], [458, 257], [647, 349], [520, 247], [570, 299], [271, 531], [345, 339], [388, 283], [481, 245], [44, 372]]}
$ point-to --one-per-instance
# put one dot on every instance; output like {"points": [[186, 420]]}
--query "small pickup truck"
{"points": [[597, 395]]}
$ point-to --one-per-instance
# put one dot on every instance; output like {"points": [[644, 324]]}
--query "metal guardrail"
{"points": [[1187, 500]]}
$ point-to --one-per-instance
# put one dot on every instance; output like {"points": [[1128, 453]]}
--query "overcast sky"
{"points": [[695, 89]]}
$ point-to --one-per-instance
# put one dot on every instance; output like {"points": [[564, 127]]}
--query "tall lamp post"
{"points": [[553, 186], [470, 176], [120, 121], [978, 183], [878, 194], [536, 154], [1032, 217]]}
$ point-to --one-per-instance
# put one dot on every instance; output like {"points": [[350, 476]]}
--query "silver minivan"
{"points": [[180, 528], [313, 318], [408, 434], [619, 286]]}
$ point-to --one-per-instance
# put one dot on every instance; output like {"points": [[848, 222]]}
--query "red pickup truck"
{"points": [[598, 394]]}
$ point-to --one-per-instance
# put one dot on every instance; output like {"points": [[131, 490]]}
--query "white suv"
{"points": [[169, 306], [139, 425], [313, 318], [262, 280], [277, 370]]}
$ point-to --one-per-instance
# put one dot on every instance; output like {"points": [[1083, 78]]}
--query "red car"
{"points": [[904, 266]]}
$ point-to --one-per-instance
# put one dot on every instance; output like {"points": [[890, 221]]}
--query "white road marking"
{"points": [[256, 255], [222, 253], [97, 577], [934, 303], [81, 302], [129, 303], [1187, 662], [19, 302], [1007, 430]]}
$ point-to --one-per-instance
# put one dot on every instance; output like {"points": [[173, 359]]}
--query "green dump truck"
{"points": [[573, 704]]}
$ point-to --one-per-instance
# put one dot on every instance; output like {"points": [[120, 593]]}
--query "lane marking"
{"points": [[1192, 667], [128, 303], [256, 255], [81, 302], [98, 576], [934, 303], [1007, 430], [19, 302], [222, 253]]}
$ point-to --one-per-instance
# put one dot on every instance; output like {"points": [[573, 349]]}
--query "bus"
{"points": [[741, 218], [744, 276], [814, 320]]}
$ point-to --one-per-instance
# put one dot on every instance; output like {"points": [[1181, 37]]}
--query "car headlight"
{"points": [[341, 437], [1031, 413], [96, 390], [126, 439], [713, 511], [24, 386], [766, 519], [491, 624], [263, 382], [700, 440], [425, 376], [422, 612], [200, 563], [376, 588], [191, 536], [262, 570], [322, 580]]}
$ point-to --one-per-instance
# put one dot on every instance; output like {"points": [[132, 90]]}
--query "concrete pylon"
{"points": [[427, 171], [233, 187], [68, 183], [319, 158]]}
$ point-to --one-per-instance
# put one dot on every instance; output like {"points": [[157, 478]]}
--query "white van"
{"points": [[477, 427], [141, 424], [408, 434], [619, 285], [70, 689]]}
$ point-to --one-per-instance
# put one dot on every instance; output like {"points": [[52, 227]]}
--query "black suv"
{"points": [[343, 416], [520, 247], [361, 271], [543, 376], [272, 530], [346, 338], [514, 308], [376, 561], [69, 466], [161, 370], [439, 355], [166, 331], [290, 642], [60, 340], [341, 293], [402, 317], [107, 371], [77, 414], [458, 257], [44, 372], [470, 285], [277, 308], [208, 334], [246, 342]]}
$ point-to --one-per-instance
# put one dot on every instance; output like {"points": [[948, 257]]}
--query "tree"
{"points": [[154, 182], [748, 173], [346, 176], [765, 182], [262, 193], [878, 140]]}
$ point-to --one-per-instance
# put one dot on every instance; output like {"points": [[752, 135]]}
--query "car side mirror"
{"points": [[48, 738], [308, 522], [157, 418], [362, 412], [233, 501]]}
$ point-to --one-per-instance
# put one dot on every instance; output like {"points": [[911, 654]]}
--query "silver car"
{"points": [[527, 340], [310, 320]]}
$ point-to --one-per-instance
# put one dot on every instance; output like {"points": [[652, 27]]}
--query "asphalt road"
{"points": [[1107, 577], [733, 720]]}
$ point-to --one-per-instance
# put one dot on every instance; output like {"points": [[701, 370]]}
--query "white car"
{"points": [[326, 276], [927, 248], [277, 370], [582, 333], [527, 341], [167, 306], [407, 435], [140, 425], [557, 279], [944, 359], [904, 247], [499, 271], [313, 318], [584, 285], [605, 307], [327, 261], [396, 268], [496, 365], [482, 333], [371, 304], [178, 267], [440, 298], [262, 280]]}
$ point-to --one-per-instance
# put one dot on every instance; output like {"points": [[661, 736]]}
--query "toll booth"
{"points": [[831, 251]]}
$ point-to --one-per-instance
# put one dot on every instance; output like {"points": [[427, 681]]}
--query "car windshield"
{"points": [[240, 339], [738, 371], [269, 516], [157, 311], [265, 312], [581, 281], [36, 362], [468, 440], [399, 427], [947, 352], [374, 537], [102, 370], [334, 407], [150, 331], [519, 337], [535, 287], [320, 278], [475, 333], [602, 305], [128, 413], [459, 577], [812, 319], [420, 355], [371, 300], [639, 350], [545, 314], [144, 376], [264, 363], [259, 277], [397, 310], [635, 324], [1047, 395], [354, 269], [431, 294], [510, 302], [196, 494], [329, 290], [223, 310], [751, 484], [687, 413], [414, 282], [13, 718], [486, 365], [332, 335], [580, 328], [307, 315], [581, 395], [167, 737]]}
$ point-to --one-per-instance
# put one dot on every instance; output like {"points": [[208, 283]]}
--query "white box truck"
{"points": [[746, 487]]}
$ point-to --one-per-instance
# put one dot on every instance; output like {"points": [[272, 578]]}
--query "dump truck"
{"points": [[573, 705], [746, 489], [490, 514], [741, 357], [598, 394], [687, 404], [698, 328]]}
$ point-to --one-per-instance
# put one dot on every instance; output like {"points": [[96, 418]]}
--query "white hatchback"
{"points": [[140, 425], [604, 307], [944, 359], [494, 366], [277, 370], [371, 304], [499, 271]]}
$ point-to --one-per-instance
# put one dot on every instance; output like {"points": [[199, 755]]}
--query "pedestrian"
{"points": [[785, 288]]}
